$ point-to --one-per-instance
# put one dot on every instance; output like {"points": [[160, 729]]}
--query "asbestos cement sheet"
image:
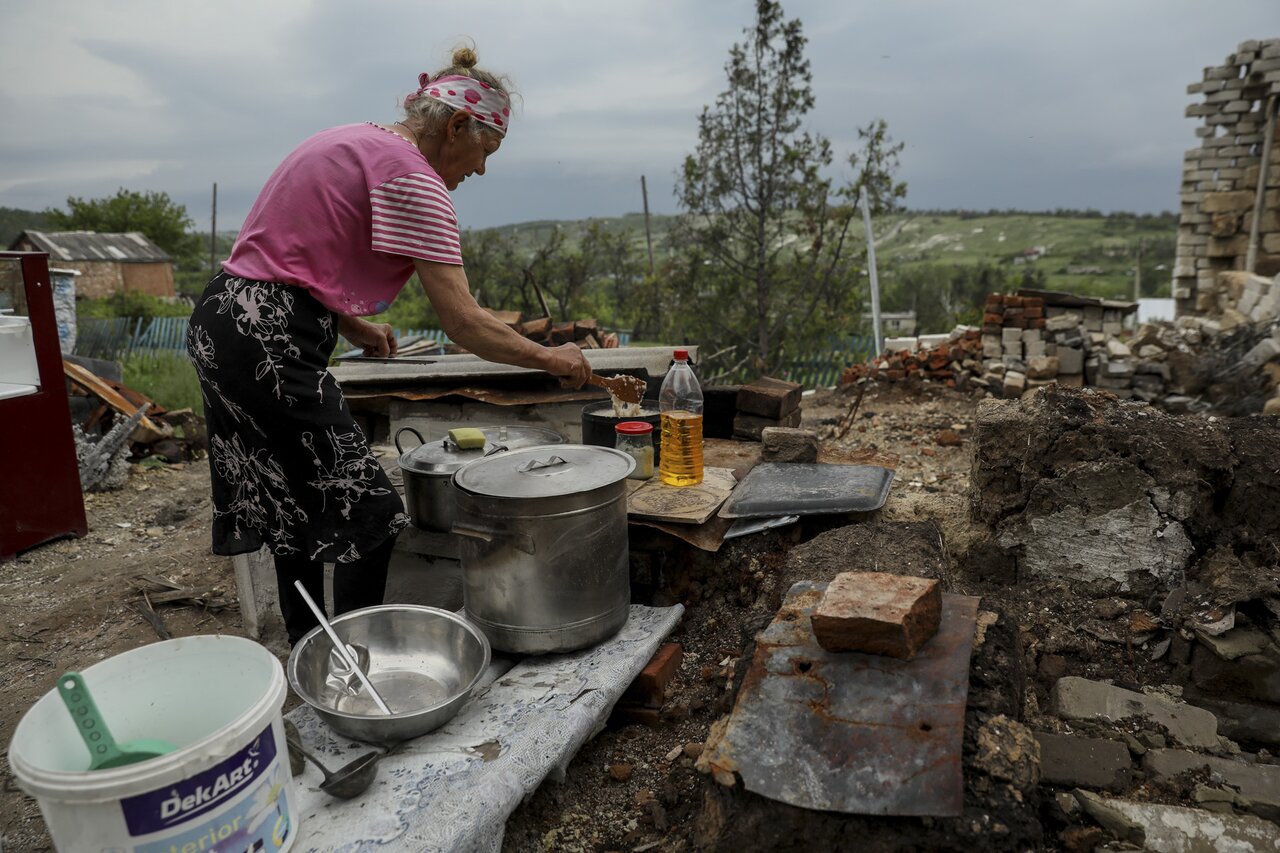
{"points": [[452, 789], [851, 732]]}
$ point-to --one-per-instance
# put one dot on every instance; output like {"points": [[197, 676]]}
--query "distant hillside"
{"points": [[14, 221], [1080, 251]]}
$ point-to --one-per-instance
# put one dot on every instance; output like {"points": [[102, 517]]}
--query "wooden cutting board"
{"points": [[655, 500]]}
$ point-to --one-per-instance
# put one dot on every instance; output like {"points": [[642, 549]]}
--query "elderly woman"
{"points": [[334, 235]]}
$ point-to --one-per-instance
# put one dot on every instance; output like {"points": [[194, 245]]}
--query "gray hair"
{"points": [[430, 115]]}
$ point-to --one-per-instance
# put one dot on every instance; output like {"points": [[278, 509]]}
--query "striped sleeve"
{"points": [[413, 216]]}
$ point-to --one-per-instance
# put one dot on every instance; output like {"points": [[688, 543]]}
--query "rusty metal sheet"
{"points": [[485, 394], [708, 536], [850, 732]]}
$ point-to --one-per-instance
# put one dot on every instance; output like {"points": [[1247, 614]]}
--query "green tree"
{"points": [[770, 262], [875, 165], [153, 213]]}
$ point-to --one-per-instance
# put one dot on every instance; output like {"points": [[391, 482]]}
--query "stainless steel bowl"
{"points": [[424, 661]]}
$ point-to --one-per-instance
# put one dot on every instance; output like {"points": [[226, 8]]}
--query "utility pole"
{"points": [[213, 233], [648, 238], [871, 266], [1137, 274]]}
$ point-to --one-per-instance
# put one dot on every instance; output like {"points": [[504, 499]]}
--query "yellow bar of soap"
{"points": [[467, 438]]}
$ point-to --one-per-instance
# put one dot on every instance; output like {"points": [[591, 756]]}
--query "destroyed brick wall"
{"points": [[1220, 178]]}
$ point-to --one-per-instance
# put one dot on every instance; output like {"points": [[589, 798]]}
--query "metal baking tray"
{"points": [[808, 488]]}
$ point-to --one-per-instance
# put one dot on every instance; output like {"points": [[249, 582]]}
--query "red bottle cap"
{"points": [[681, 355], [634, 428]]}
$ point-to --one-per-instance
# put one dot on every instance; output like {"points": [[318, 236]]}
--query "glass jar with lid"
{"points": [[635, 438]]}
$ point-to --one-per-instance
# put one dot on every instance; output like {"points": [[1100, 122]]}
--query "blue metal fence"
{"points": [[822, 368]]}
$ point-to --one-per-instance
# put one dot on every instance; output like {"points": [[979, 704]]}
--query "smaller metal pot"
{"points": [[428, 469]]}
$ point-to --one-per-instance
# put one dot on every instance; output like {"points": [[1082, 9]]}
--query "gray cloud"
{"points": [[1000, 103]]}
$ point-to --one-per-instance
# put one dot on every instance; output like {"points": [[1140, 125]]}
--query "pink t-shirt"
{"points": [[344, 216]]}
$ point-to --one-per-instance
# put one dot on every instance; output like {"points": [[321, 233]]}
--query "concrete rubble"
{"points": [[1229, 361]]}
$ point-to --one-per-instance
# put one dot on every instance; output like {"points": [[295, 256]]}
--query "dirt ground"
{"points": [[66, 605], [634, 787]]}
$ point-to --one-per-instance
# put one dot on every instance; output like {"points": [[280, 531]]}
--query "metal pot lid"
{"points": [[442, 457], [544, 472]]}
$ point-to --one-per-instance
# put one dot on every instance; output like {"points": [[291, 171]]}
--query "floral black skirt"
{"points": [[290, 468]]}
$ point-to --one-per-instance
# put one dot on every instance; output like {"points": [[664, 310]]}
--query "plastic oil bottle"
{"points": [[680, 408]]}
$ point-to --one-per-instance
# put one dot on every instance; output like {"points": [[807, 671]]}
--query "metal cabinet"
{"points": [[40, 497]]}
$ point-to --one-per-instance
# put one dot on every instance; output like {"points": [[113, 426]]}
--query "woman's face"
{"points": [[465, 154]]}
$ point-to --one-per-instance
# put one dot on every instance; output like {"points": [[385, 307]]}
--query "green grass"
{"points": [[167, 378], [1108, 244]]}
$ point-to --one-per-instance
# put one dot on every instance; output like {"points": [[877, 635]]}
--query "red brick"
{"points": [[769, 398], [650, 687], [878, 613]]}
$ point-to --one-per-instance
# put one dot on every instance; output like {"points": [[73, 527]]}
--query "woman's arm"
{"points": [[475, 329]]}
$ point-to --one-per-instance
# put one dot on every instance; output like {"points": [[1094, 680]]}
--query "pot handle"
{"points": [[416, 434], [534, 464], [520, 541]]}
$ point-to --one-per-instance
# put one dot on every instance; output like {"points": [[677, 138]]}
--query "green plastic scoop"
{"points": [[104, 752]]}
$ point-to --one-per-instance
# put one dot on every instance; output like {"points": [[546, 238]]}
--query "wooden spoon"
{"points": [[628, 389]]}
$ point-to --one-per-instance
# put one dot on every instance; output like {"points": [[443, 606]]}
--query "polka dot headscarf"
{"points": [[487, 105]]}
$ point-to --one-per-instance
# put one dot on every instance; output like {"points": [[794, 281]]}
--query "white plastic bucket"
{"points": [[227, 788]]}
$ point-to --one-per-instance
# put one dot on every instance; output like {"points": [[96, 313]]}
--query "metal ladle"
{"points": [[341, 648], [351, 779]]}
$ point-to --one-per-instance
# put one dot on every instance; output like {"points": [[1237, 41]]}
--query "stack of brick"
{"points": [[1220, 178], [949, 359], [766, 402], [1024, 344], [1027, 344]]}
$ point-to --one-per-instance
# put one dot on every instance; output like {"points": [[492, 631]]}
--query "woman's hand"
{"points": [[569, 363], [378, 340]]}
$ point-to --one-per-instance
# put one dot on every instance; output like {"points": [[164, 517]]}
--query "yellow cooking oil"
{"points": [[681, 460]]}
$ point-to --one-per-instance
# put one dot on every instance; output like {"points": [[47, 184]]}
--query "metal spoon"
{"points": [[341, 648], [351, 779]]}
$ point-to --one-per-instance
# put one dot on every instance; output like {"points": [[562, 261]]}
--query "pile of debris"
{"points": [[115, 425], [1033, 338]]}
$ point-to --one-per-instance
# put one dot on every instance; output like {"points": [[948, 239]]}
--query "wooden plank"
{"points": [[510, 318], [535, 328], [147, 430]]}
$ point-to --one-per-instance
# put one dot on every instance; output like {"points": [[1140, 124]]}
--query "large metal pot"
{"points": [[544, 546], [428, 469]]}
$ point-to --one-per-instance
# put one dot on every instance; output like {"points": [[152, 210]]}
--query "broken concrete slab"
{"points": [[1237, 643], [1083, 762], [878, 613], [1176, 829], [1259, 784], [1075, 698]]}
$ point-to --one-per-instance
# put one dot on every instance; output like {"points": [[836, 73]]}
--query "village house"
{"points": [[107, 263]]}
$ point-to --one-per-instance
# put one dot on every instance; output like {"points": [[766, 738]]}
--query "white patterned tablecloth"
{"points": [[453, 789]]}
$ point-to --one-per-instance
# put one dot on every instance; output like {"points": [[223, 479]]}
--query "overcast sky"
{"points": [[1001, 103]]}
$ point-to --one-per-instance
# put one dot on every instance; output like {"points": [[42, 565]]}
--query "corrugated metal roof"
{"points": [[92, 246]]}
